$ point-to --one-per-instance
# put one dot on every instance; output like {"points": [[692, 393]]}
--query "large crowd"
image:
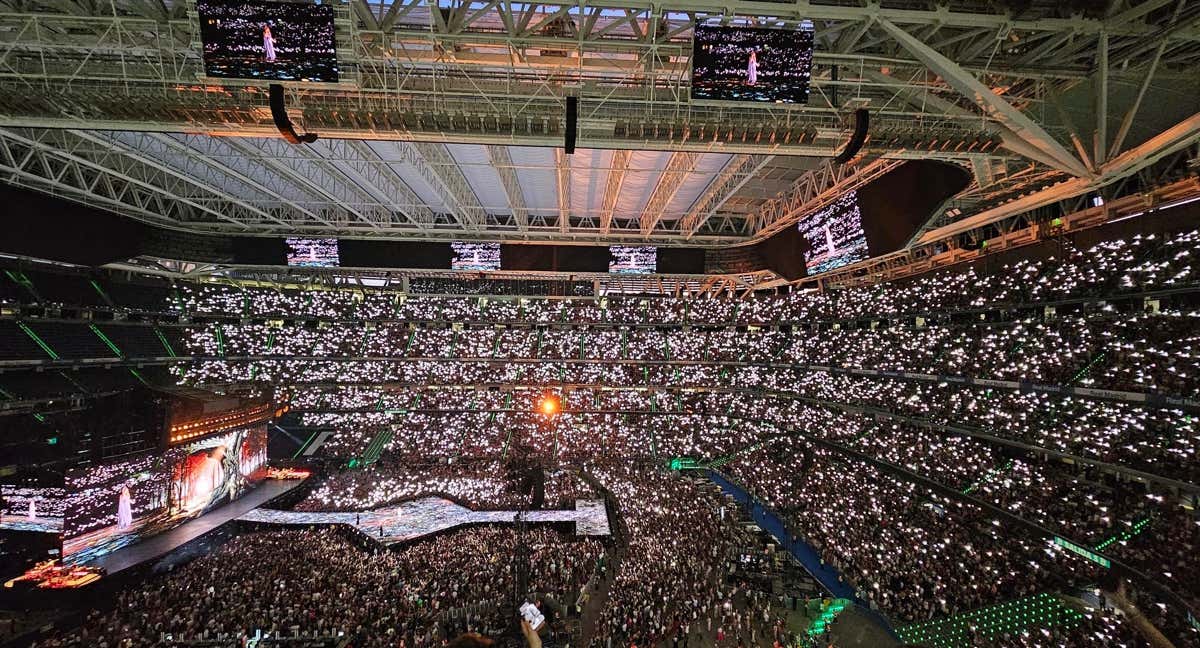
{"points": [[673, 585], [1140, 264], [480, 485], [320, 583], [997, 368], [1105, 349]]}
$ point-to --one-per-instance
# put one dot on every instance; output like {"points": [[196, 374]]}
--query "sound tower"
{"points": [[862, 122], [572, 125], [283, 122]]}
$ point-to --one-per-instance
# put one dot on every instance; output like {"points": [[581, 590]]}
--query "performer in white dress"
{"points": [[752, 68], [124, 509], [268, 44]]}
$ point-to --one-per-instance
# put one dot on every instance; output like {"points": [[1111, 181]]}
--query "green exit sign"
{"points": [[684, 463], [52, 440], [1083, 551]]}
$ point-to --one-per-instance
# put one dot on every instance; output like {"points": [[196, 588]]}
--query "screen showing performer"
{"points": [[272, 41], [632, 259], [731, 63], [31, 508], [474, 256], [834, 236], [313, 253], [114, 504]]}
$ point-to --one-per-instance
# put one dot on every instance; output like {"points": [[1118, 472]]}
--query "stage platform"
{"points": [[163, 543], [428, 515]]}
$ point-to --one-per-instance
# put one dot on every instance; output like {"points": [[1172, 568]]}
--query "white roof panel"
{"points": [[708, 165], [390, 153], [537, 175], [477, 167]]}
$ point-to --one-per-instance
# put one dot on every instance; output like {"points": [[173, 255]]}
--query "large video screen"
{"points": [[271, 41], [115, 504], [28, 508], [752, 64], [313, 253], [638, 259], [834, 236], [474, 256]]}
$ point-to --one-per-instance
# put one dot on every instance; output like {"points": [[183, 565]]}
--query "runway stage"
{"points": [[163, 543], [415, 518]]}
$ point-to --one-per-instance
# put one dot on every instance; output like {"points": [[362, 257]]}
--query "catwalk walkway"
{"points": [[419, 517]]}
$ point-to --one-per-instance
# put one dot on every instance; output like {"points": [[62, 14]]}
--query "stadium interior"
{"points": [[600, 324]]}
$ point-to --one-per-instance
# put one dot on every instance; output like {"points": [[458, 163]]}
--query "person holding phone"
{"points": [[476, 640]]}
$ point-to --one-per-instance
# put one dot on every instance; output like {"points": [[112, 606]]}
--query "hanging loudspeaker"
{"points": [[283, 122], [862, 121], [572, 124]]}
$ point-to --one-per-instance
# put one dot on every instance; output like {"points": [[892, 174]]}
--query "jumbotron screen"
{"points": [[731, 63], [271, 41], [313, 253], [834, 236], [638, 259], [111, 505], [474, 256]]}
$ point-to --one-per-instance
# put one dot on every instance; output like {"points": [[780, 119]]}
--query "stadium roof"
{"points": [[449, 122]]}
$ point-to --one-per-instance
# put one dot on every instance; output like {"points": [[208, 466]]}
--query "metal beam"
{"points": [[1182, 135], [441, 171], [612, 187], [56, 162], [1101, 86], [737, 172], [562, 175], [679, 166], [816, 190], [279, 157], [992, 104], [367, 169], [502, 163], [109, 139]]}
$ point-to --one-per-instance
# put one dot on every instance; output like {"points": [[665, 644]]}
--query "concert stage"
{"points": [[163, 543]]}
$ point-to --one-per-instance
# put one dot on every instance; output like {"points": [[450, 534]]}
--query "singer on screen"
{"points": [[752, 68], [268, 44], [124, 509]]}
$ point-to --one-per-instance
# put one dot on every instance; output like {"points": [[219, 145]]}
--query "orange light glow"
{"points": [[549, 405]]}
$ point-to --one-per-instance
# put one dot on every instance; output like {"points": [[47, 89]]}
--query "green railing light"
{"points": [[105, 339], [166, 345], [1021, 615], [38, 340], [1132, 532], [100, 291], [1083, 372], [988, 476]]}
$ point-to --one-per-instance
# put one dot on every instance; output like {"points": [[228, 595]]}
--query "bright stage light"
{"points": [[549, 405]]}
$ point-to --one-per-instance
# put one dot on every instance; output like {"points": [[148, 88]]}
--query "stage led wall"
{"points": [[732, 63], [271, 41], [111, 505]]}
